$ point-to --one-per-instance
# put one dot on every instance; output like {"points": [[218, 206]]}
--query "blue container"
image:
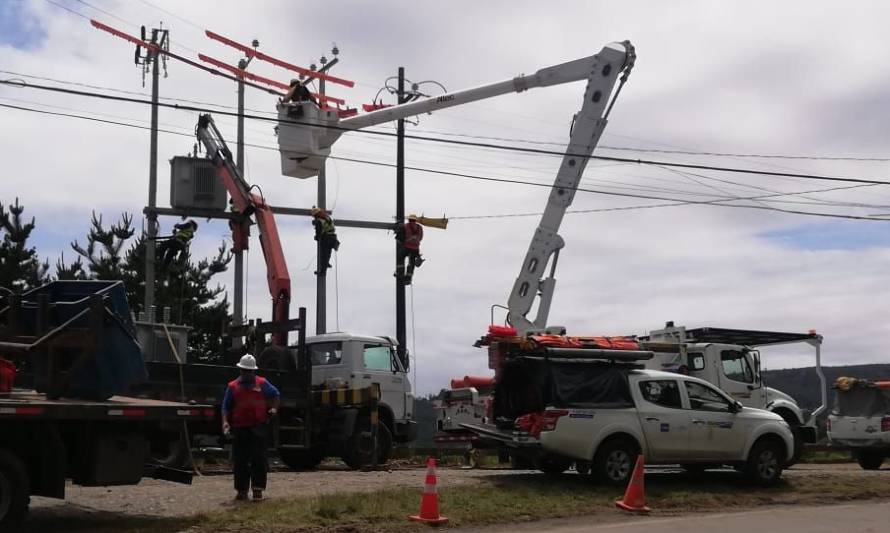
{"points": [[116, 363]]}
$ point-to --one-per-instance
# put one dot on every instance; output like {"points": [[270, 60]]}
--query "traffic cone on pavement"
{"points": [[429, 503], [635, 497]]}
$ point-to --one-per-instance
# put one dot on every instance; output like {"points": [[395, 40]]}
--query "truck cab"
{"points": [[343, 360], [728, 358]]}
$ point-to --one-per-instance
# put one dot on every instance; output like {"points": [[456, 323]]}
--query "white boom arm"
{"points": [[306, 133], [587, 127]]}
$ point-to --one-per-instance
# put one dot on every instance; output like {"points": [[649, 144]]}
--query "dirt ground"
{"points": [[213, 492]]}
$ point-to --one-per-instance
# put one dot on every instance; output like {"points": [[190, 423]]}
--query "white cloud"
{"points": [[795, 77]]}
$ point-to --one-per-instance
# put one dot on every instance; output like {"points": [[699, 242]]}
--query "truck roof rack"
{"points": [[748, 337]]}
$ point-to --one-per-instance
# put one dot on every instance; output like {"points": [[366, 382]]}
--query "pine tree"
{"points": [[20, 267], [185, 287]]}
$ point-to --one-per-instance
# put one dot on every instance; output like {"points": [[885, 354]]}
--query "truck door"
{"points": [[665, 422], [714, 433], [380, 365], [736, 375]]}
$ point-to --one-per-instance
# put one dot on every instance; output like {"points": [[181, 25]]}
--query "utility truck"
{"points": [[591, 401], [467, 401], [860, 420], [341, 394], [76, 344], [729, 359]]}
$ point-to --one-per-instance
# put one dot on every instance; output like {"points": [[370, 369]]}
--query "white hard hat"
{"points": [[247, 362]]}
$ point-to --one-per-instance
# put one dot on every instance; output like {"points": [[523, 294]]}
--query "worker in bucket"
{"points": [[177, 244], [249, 402], [326, 235], [412, 234]]}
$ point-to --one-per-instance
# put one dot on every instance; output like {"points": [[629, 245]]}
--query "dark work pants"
{"points": [[249, 456], [412, 255]]}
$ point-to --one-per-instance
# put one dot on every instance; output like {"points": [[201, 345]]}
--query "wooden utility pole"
{"points": [[401, 329], [159, 39]]}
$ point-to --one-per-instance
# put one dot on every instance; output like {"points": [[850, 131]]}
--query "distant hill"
{"points": [[802, 384]]}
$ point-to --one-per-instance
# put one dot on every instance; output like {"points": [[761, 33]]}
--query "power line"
{"points": [[112, 15], [489, 137], [718, 202], [653, 206], [174, 15], [68, 9], [515, 149]]}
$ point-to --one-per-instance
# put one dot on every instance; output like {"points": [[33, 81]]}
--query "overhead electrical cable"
{"points": [[717, 202], [517, 149]]}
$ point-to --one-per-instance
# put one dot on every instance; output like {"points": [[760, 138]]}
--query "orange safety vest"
{"points": [[250, 403], [413, 235]]}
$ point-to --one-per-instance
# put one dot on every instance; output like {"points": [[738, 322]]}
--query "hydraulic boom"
{"points": [[247, 204]]}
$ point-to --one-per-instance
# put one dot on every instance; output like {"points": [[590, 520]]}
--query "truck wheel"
{"points": [[869, 459], [384, 444], [300, 459], [359, 446], [14, 491], [553, 465], [764, 465], [614, 461]]}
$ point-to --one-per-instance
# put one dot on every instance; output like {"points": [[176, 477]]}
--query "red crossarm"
{"points": [[250, 52], [122, 35], [251, 76], [238, 72]]}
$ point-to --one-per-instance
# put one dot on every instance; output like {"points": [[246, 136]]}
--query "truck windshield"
{"points": [[377, 357], [736, 367]]}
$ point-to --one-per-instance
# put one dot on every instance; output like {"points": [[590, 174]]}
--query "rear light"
{"points": [[885, 423], [550, 418], [535, 423]]}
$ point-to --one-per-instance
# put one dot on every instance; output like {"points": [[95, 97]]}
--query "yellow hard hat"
{"points": [[316, 211], [412, 216]]}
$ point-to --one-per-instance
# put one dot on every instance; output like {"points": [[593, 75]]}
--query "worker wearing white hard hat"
{"points": [[249, 402]]}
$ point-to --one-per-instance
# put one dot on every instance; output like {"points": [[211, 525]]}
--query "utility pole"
{"points": [[400, 218], [238, 301], [321, 280], [159, 39]]}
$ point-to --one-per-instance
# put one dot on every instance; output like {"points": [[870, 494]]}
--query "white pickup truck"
{"points": [[860, 420], [606, 414]]}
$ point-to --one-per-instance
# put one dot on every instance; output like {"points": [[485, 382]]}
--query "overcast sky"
{"points": [[789, 78]]}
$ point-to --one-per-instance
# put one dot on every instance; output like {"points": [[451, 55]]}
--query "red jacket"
{"points": [[250, 407], [413, 235]]}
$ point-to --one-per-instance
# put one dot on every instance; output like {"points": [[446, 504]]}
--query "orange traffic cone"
{"points": [[635, 497], [429, 503]]}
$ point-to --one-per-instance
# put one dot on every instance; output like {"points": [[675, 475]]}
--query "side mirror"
{"points": [[735, 407]]}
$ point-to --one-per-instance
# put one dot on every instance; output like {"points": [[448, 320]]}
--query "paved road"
{"points": [[853, 518]]}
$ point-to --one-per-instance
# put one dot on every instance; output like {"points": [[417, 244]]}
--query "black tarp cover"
{"points": [[862, 401], [529, 384]]}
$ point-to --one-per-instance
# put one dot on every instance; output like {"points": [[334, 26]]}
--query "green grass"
{"points": [[520, 498], [504, 499]]}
